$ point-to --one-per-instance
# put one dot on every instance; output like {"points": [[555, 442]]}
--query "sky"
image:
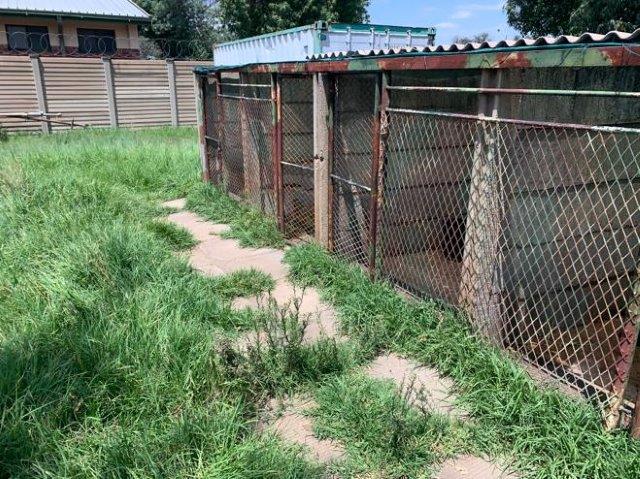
{"points": [[450, 17]]}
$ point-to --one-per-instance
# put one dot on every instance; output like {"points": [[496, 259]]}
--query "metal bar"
{"points": [[375, 166], [517, 91], [381, 163], [276, 98], [256, 85], [331, 100], [298, 165], [350, 183], [235, 97], [464, 116], [219, 170]]}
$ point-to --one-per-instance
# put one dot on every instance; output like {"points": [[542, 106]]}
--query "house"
{"points": [[71, 27]]}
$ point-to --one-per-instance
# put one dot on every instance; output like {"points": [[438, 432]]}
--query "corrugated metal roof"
{"points": [[585, 38], [97, 8]]}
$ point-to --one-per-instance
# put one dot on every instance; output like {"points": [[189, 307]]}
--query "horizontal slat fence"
{"points": [[95, 92]]}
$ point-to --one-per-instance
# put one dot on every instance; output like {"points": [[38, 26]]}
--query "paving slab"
{"points": [[287, 419], [267, 261], [177, 204], [430, 390], [200, 228], [472, 467]]}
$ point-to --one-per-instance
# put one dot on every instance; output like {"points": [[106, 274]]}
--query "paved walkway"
{"points": [[215, 255]]}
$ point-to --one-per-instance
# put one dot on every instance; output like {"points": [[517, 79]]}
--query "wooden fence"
{"points": [[95, 92]]}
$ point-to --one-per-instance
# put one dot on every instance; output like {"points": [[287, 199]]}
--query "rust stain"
{"points": [[622, 56], [444, 62], [512, 60]]}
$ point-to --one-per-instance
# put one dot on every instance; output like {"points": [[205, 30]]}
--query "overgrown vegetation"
{"points": [[545, 433], [118, 360], [108, 341]]}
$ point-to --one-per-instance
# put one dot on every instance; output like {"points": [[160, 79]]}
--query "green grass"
{"points": [[109, 343], [545, 433], [118, 360]]}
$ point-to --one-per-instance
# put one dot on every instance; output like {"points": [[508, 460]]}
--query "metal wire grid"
{"points": [[297, 156], [212, 122], [246, 144], [533, 230], [351, 177]]}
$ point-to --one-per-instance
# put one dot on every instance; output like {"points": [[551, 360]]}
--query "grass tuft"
{"points": [[546, 433]]}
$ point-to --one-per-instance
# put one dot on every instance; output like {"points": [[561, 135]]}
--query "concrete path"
{"points": [[214, 255], [287, 419], [428, 390], [472, 467]]}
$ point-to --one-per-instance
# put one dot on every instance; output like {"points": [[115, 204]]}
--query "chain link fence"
{"points": [[351, 179], [297, 156], [532, 229]]}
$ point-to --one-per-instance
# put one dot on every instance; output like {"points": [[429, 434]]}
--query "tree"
{"points": [[477, 38], [555, 17], [182, 28], [245, 18]]}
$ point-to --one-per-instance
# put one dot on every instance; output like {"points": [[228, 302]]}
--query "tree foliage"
{"points": [[554, 17], [477, 38], [245, 18], [182, 28]]}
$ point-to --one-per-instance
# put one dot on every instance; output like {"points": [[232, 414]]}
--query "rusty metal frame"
{"points": [[219, 159], [579, 55], [276, 97]]}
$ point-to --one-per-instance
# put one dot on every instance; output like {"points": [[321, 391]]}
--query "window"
{"points": [[95, 41], [27, 38]]}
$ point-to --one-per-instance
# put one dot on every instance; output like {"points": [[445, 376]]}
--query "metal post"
{"points": [[276, 149], [322, 154], [198, 82], [111, 94], [219, 170], [38, 79], [377, 162], [173, 93]]}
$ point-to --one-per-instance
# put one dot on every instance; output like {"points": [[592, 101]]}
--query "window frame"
{"points": [[89, 41], [39, 33]]}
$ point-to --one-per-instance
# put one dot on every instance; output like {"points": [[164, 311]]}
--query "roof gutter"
{"points": [[88, 16]]}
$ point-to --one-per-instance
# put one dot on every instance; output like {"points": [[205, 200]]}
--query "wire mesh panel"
{"points": [[212, 122], [246, 137], [533, 229], [426, 191], [351, 176], [297, 155], [231, 146]]}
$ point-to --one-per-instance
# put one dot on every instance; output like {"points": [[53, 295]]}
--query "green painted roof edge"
{"points": [[566, 46]]}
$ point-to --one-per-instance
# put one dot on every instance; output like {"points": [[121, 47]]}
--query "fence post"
{"points": [[377, 163], [111, 93], [198, 85], [479, 288], [322, 155], [276, 148], [41, 93], [173, 94], [252, 181], [219, 168]]}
